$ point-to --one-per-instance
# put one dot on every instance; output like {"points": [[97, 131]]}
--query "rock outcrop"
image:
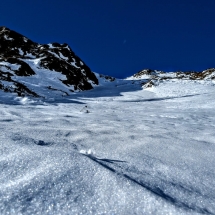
{"points": [[149, 78]]}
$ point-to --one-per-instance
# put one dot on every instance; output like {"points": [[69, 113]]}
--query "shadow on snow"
{"points": [[146, 185]]}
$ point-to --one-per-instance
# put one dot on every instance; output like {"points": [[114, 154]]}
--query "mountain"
{"points": [[141, 145], [28, 68], [149, 78], [33, 69]]}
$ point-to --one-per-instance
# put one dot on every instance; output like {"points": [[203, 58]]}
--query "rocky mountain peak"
{"points": [[19, 56]]}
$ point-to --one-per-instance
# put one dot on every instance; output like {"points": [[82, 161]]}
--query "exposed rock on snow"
{"points": [[148, 72], [160, 75], [107, 77], [21, 57], [149, 78], [148, 84]]}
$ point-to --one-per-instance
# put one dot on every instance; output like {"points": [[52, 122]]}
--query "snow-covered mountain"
{"points": [[31, 69], [141, 145]]}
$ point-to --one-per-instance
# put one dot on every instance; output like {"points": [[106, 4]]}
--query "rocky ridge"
{"points": [[149, 78], [31, 69]]}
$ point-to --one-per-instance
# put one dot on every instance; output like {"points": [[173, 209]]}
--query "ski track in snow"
{"points": [[112, 150]]}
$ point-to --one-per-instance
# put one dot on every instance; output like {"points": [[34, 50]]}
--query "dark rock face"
{"points": [[16, 53], [107, 77]]}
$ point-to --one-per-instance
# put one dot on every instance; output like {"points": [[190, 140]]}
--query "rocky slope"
{"points": [[33, 69], [149, 78]]}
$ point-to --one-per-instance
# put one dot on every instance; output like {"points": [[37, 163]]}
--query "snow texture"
{"points": [[117, 149]]}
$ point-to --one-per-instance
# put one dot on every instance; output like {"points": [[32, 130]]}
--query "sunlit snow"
{"points": [[117, 149]]}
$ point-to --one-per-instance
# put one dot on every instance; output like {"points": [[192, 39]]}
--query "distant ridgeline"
{"points": [[29, 68], [154, 77]]}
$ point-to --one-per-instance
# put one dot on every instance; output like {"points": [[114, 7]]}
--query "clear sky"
{"points": [[121, 37]]}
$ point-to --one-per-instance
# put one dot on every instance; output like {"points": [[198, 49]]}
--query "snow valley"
{"points": [[141, 145]]}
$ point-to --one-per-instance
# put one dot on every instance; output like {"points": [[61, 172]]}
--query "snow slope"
{"points": [[116, 149]]}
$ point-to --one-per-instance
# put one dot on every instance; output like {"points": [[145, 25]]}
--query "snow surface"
{"points": [[30, 55], [20, 51], [117, 149], [7, 38]]}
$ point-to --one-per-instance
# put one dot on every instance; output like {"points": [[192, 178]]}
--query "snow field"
{"points": [[134, 151]]}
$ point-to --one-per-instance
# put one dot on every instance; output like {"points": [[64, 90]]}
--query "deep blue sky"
{"points": [[121, 37]]}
